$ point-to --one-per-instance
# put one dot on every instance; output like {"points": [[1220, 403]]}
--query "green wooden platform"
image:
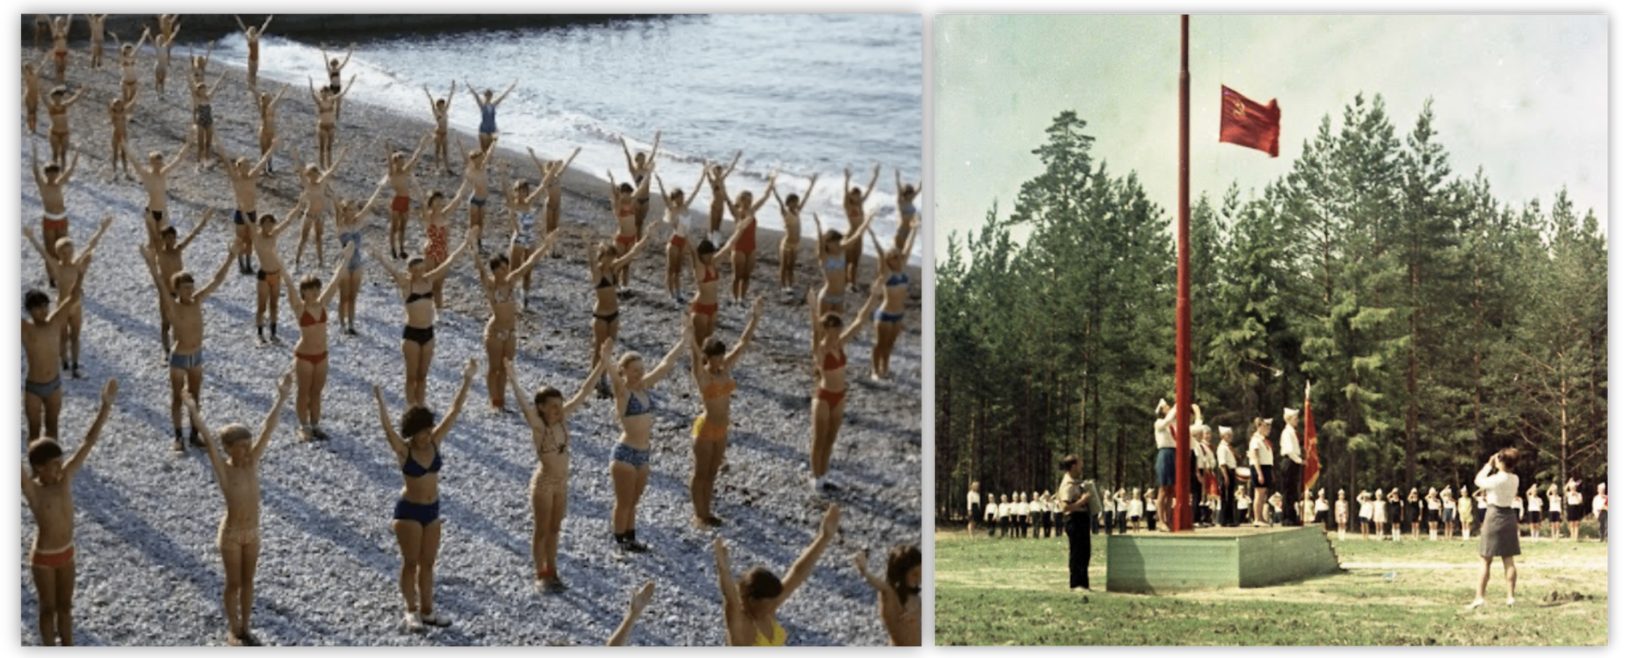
{"points": [[1214, 558]]}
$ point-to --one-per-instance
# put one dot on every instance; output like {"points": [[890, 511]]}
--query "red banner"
{"points": [[1313, 463], [1246, 123]]}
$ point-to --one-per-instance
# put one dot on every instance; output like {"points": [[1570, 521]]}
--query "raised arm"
{"points": [[45, 256], [638, 602], [748, 333], [875, 179], [875, 296], [698, 187], [635, 250], [270, 423], [807, 562], [442, 270], [771, 187], [856, 235], [507, 92], [260, 165], [221, 274], [583, 394], [175, 159], [806, 198], [441, 431], [396, 276], [323, 177], [392, 438], [523, 400], [877, 582], [483, 279], [369, 205], [333, 286], [657, 374], [348, 59], [348, 87], [723, 573], [217, 86], [208, 435], [264, 25], [110, 391], [734, 166]]}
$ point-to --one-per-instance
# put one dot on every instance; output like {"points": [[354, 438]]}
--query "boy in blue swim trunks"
{"points": [[185, 307], [42, 345]]}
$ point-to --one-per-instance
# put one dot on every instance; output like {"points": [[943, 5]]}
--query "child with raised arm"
{"points": [[488, 106], [550, 177], [168, 257], [309, 303], [888, 319], [185, 307], [712, 371], [521, 205], [439, 113], [252, 39], [788, 251], [119, 111], [676, 203], [898, 591], [244, 177], [417, 522], [69, 273], [264, 242], [718, 196], [49, 492], [400, 174], [854, 199], [316, 197], [547, 414], [476, 179], [642, 166], [239, 537], [907, 213], [750, 603], [156, 182], [266, 132], [42, 345], [52, 180]]}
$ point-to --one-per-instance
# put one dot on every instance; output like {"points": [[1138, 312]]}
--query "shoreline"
{"points": [[331, 25]]}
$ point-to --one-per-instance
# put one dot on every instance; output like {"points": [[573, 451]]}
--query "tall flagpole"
{"points": [[1182, 308]]}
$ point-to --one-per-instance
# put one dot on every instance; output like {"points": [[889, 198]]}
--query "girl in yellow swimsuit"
{"points": [[712, 370], [752, 601]]}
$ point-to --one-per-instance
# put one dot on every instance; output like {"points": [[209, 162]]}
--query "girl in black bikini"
{"points": [[415, 521], [604, 262], [419, 330]]}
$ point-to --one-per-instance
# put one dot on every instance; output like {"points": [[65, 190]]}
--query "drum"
{"points": [[1244, 473]]}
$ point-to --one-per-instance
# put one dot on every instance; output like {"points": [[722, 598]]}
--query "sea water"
{"points": [[797, 93]]}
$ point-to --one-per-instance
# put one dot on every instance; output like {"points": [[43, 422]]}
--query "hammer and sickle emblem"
{"points": [[1238, 109]]}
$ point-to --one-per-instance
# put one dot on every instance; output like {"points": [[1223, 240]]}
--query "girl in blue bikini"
{"points": [[888, 319], [633, 409], [907, 214], [416, 521], [832, 250]]}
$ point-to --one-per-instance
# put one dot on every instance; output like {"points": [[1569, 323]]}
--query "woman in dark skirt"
{"points": [[1413, 510], [1500, 533]]}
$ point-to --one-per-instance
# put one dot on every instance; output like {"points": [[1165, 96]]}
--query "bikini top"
{"points": [[778, 636], [710, 275], [416, 296], [503, 293], [717, 390], [307, 320], [413, 468], [833, 263], [605, 282], [833, 362], [553, 442], [636, 408], [626, 208], [897, 280]]}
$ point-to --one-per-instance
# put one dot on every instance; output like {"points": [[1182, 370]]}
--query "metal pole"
{"points": [[1182, 309]]}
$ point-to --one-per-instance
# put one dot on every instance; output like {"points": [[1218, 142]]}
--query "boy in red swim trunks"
{"points": [[49, 492], [52, 179]]}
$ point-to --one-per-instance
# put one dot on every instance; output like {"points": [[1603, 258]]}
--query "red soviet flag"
{"points": [[1313, 462], [1246, 123]]}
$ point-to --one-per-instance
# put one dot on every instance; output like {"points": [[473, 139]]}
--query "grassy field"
{"points": [[1014, 592]]}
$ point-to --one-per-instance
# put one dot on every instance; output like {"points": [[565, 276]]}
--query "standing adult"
{"points": [[1500, 534], [1078, 505], [1226, 457], [973, 501], [1293, 465], [1162, 433]]}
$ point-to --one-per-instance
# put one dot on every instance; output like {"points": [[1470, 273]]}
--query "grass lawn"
{"points": [[1014, 592]]}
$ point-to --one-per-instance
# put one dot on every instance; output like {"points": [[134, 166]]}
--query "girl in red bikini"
{"points": [[743, 222], [828, 341], [400, 173], [434, 215], [788, 250], [623, 197], [706, 272], [310, 304]]}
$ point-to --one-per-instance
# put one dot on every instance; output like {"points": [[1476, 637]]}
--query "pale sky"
{"points": [[1525, 97]]}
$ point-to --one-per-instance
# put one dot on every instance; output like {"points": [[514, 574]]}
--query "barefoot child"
{"points": [[400, 173], [119, 111], [855, 197], [244, 177], [550, 177], [185, 307], [155, 180], [50, 496], [316, 196], [547, 417], [267, 130], [239, 538], [31, 96], [252, 40], [69, 273], [310, 303], [52, 181], [788, 250], [439, 113], [169, 259], [270, 265], [42, 344], [204, 122]]}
